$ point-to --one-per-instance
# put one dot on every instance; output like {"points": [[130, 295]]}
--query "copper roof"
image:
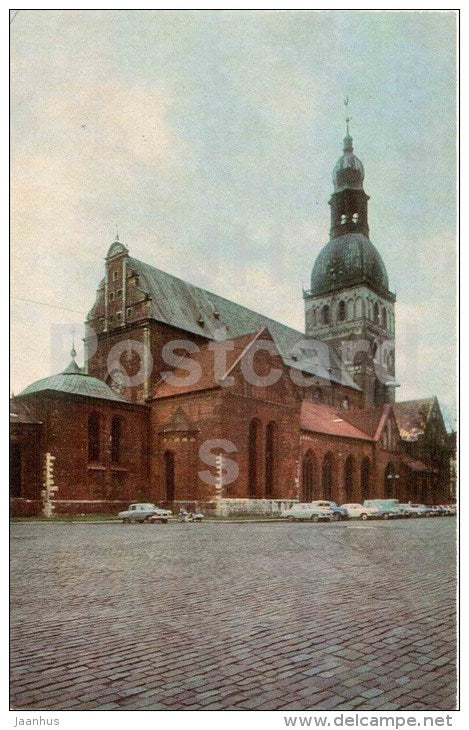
{"points": [[348, 260], [74, 381], [188, 307]]}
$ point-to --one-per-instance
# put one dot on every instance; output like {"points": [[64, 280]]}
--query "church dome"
{"points": [[74, 381], [348, 172], [346, 261]]}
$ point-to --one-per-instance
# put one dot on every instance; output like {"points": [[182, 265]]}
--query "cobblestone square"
{"points": [[281, 616]]}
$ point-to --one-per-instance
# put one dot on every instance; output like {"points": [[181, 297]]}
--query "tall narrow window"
{"points": [[341, 313], [385, 318], [270, 458], [348, 479], [116, 440], [327, 476], [94, 437], [253, 467], [326, 314], [365, 479], [309, 476], [376, 313]]}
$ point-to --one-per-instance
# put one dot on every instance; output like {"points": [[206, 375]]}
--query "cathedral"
{"points": [[189, 399]]}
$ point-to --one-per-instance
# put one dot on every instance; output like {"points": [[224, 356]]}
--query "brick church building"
{"points": [[188, 398]]}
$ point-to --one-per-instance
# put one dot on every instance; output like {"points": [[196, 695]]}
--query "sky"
{"points": [[209, 138]]}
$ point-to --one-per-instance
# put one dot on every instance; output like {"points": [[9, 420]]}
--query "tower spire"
{"points": [[348, 141], [117, 232], [73, 352]]}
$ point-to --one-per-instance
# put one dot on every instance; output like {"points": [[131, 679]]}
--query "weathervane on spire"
{"points": [[117, 232], [347, 118], [73, 352]]}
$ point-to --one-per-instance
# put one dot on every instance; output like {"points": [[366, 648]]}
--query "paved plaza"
{"points": [[281, 616]]}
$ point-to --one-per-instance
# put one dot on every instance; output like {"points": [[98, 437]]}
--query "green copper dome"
{"points": [[76, 382], [346, 261]]}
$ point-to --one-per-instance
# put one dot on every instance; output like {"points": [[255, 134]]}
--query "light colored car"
{"points": [[419, 510], [338, 512], [358, 511], [161, 515], [307, 511], [387, 508], [139, 512]]}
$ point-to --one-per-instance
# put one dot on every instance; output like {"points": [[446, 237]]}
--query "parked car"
{"points": [[161, 515], [339, 513], [139, 512], [418, 510], [356, 510], [404, 509], [309, 511], [387, 508]]}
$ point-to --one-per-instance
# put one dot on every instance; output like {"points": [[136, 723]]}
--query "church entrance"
{"points": [[169, 475]]}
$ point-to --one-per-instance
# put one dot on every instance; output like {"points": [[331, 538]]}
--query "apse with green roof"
{"points": [[349, 304], [73, 381]]}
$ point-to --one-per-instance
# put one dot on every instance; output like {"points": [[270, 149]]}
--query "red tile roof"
{"points": [[205, 358], [320, 418]]}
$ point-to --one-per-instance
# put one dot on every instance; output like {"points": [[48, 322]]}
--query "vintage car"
{"points": [[387, 508], [358, 511], [339, 513], [307, 511], [144, 512]]}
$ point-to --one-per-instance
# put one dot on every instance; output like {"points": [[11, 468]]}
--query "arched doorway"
{"points": [[308, 472], [169, 475], [348, 478], [270, 458], [365, 479], [253, 465], [15, 470], [327, 472]]}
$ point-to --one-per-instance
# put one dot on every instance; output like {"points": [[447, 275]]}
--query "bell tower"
{"points": [[349, 304]]}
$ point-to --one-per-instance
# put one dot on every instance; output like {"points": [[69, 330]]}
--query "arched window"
{"points": [[116, 440], [376, 313], [365, 479], [94, 437], [270, 458], [343, 219], [308, 472], [341, 313], [345, 403], [359, 308], [253, 450], [385, 318], [355, 218], [169, 475], [348, 478], [350, 309], [326, 316], [327, 467]]}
